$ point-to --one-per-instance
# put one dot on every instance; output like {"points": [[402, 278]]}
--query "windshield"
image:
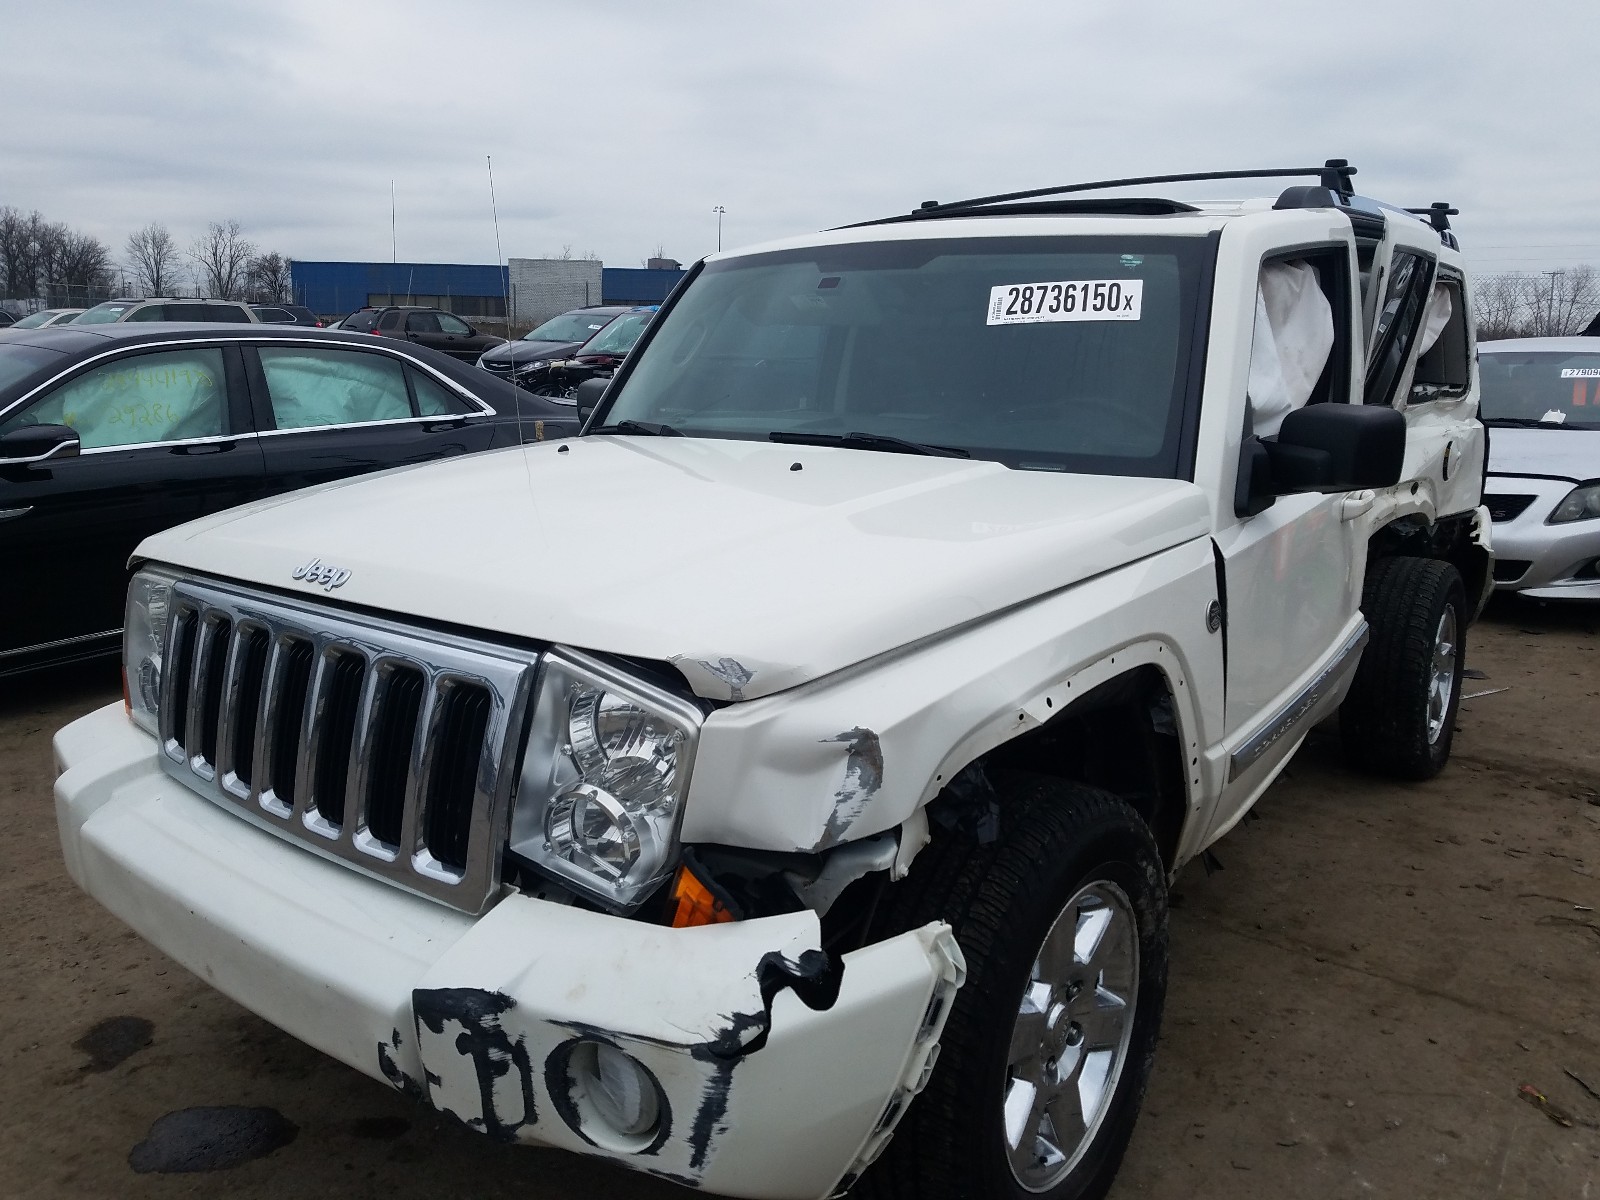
{"points": [[37, 319], [568, 327], [100, 314], [1045, 353], [620, 336], [18, 362], [1554, 387]]}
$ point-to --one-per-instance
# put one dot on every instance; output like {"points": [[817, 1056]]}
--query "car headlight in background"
{"points": [[603, 779], [528, 368], [144, 633], [1580, 504]]}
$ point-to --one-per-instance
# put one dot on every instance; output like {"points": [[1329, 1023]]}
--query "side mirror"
{"points": [[36, 443], [1325, 448], [589, 394], [1338, 448]]}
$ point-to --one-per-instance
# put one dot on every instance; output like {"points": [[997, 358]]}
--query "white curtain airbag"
{"points": [[1437, 317], [1293, 337]]}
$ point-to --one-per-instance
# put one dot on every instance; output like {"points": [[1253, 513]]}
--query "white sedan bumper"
{"points": [[761, 1095], [1533, 557]]}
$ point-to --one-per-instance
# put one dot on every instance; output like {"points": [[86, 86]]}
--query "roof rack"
{"points": [[1334, 175]]}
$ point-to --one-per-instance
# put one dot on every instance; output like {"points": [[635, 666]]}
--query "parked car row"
{"points": [[546, 365], [111, 433]]}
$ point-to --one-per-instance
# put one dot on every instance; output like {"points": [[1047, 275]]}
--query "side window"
{"points": [[422, 323], [391, 320], [1444, 365], [1300, 346], [235, 314], [435, 400], [310, 388], [150, 312], [1394, 332], [451, 324], [138, 399]]}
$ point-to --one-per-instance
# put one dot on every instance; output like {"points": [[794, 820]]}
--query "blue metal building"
{"points": [[336, 288]]}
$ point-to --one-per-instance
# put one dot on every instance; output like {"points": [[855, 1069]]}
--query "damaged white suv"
{"points": [[799, 757]]}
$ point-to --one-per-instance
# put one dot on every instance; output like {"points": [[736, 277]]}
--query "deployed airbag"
{"points": [[1293, 337]]}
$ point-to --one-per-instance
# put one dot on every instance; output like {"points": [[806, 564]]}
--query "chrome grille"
{"points": [[390, 749]]}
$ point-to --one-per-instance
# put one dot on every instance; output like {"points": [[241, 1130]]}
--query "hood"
{"points": [[748, 573], [520, 351], [1565, 453]]}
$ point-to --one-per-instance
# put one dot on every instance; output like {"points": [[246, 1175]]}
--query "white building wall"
{"points": [[543, 287]]}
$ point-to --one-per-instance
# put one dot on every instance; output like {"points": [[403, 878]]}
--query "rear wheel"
{"points": [[1044, 1061], [1399, 717]]}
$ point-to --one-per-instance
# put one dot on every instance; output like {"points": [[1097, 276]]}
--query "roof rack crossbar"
{"points": [[1438, 214], [1333, 175]]}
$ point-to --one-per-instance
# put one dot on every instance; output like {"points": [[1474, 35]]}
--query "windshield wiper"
{"points": [[649, 427], [866, 441]]}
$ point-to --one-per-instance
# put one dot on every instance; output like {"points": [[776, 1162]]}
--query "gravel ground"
{"points": [[1356, 999]]}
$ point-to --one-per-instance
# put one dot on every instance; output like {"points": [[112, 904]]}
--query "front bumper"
{"points": [[1539, 560], [761, 1095]]}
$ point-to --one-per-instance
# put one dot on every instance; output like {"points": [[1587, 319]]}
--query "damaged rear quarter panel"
{"points": [[859, 752]]}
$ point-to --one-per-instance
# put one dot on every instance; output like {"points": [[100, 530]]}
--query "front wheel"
{"points": [[1399, 717], [1048, 1049]]}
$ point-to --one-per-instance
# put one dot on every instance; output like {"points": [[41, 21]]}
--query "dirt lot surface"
{"points": [[1356, 997]]}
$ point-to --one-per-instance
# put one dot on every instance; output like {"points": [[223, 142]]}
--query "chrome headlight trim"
{"points": [[145, 620], [598, 809]]}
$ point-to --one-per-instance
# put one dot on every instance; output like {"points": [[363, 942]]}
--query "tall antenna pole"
{"points": [[394, 245], [499, 257]]}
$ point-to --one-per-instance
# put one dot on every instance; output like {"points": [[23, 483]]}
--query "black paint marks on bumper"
{"points": [[210, 1139], [482, 1039]]}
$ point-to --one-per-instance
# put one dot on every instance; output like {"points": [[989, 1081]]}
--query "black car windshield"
{"points": [[19, 362], [619, 337], [100, 314], [568, 327], [1045, 353], [1559, 388]]}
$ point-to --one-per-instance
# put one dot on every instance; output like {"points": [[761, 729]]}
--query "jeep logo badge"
{"points": [[317, 571]]}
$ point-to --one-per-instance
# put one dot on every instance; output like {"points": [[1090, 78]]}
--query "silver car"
{"points": [[1541, 400]]}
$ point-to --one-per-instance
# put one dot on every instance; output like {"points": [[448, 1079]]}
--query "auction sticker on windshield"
{"points": [[1069, 300], [1566, 372]]}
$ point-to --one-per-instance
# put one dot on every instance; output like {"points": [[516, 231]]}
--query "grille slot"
{"points": [[1506, 508], [389, 749], [1509, 570]]}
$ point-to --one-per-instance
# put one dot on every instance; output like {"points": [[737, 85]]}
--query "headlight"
{"points": [[1580, 504], [603, 779], [144, 633], [527, 367]]}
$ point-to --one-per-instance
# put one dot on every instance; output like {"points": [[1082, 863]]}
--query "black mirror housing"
{"points": [[36, 443], [589, 394], [1338, 448]]}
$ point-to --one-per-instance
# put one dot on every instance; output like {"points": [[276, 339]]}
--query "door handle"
{"points": [[205, 448], [1357, 504]]}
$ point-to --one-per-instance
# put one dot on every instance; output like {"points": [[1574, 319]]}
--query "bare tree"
{"points": [[221, 255], [267, 278], [83, 264], [153, 259], [1536, 304]]}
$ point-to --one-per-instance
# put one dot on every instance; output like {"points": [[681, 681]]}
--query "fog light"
{"points": [[618, 1091]]}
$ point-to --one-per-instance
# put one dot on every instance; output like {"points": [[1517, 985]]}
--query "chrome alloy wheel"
{"points": [[1070, 1040], [1442, 684]]}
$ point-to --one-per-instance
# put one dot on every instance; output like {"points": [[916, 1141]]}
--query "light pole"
{"points": [[1550, 303], [720, 211]]}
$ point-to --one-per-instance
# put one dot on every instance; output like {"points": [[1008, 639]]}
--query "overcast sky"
{"points": [[615, 126]]}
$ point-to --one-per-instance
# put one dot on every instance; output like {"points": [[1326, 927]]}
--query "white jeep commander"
{"points": [[802, 753]]}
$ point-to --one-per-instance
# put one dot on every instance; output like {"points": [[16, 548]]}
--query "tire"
{"points": [[1394, 720], [1058, 843]]}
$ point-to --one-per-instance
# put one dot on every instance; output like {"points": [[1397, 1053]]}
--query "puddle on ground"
{"points": [[210, 1139], [113, 1042]]}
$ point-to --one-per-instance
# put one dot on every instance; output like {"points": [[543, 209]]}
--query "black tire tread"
{"points": [[1379, 721]]}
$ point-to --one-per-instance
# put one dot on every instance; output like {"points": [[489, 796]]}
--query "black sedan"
{"points": [[527, 360], [109, 433]]}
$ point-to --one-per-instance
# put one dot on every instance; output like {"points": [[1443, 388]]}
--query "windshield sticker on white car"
{"points": [[1580, 372], [1068, 300]]}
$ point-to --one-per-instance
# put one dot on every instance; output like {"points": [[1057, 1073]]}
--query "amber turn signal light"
{"points": [[694, 903]]}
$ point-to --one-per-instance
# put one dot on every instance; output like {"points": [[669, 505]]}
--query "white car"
{"points": [[802, 753], [1541, 397], [47, 316]]}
